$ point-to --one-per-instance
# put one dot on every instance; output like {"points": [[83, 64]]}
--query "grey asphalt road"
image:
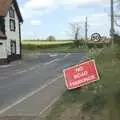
{"points": [[18, 80]]}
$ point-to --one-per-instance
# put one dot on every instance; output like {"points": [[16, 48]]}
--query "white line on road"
{"points": [[47, 107], [33, 68], [53, 55], [5, 66], [21, 72], [29, 95], [50, 62], [67, 55]]}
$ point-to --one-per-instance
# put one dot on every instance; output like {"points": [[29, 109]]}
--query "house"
{"points": [[10, 31]]}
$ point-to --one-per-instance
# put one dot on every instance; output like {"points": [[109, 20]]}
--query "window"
{"points": [[2, 25], [12, 19], [1, 43], [11, 13], [13, 47], [12, 25]]}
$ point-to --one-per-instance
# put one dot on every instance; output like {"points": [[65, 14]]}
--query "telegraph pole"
{"points": [[112, 30], [86, 29]]}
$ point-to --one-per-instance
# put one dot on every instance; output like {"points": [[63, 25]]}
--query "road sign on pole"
{"points": [[81, 75]]}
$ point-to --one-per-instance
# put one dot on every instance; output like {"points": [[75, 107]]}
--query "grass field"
{"points": [[38, 42], [60, 46], [49, 46], [98, 101]]}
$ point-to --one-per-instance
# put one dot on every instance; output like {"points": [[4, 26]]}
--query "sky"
{"points": [[52, 17]]}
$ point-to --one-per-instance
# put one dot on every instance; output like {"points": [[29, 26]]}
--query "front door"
{"points": [[13, 47]]}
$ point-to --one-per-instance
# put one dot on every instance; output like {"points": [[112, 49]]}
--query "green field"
{"points": [[60, 45], [38, 42], [49, 46]]}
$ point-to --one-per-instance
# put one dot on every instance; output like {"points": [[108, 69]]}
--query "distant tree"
{"points": [[117, 13], [51, 38], [75, 29], [74, 32]]}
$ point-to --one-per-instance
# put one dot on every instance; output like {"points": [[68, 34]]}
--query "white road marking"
{"points": [[47, 107], [33, 68], [21, 72], [55, 60], [53, 55], [50, 62], [67, 55], [5, 66], [29, 95]]}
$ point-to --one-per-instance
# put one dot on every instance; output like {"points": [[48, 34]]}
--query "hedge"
{"points": [[45, 46], [48, 46]]}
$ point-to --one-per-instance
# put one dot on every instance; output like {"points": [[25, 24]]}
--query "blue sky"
{"points": [[52, 17]]}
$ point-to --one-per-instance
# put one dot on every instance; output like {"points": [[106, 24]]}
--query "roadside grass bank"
{"points": [[97, 101], [60, 46]]}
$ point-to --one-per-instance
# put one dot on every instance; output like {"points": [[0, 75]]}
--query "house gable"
{"points": [[10, 31], [12, 28], [5, 6]]}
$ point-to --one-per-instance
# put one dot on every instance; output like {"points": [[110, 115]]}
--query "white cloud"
{"points": [[35, 22], [38, 4], [36, 8], [39, 7], [29, 13], [34, 4], [75, 3]]}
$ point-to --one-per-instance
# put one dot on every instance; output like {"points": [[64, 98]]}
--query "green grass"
{"points": [[47, 46], [38, 42], [54, 50], [98, 101]]}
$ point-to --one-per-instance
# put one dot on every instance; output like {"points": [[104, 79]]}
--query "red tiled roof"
{"points": [[5, 5]]}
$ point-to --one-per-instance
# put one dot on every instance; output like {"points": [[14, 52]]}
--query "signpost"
{"points": [[81, 75]]}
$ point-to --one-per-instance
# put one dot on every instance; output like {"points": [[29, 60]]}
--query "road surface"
{"points": [[20, 82]]}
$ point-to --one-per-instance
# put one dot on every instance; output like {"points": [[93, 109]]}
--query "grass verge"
{"points": [[98, 101]]}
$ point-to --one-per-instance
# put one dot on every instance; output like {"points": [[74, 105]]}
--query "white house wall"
{"points": [[11, 35], [3, 52]]}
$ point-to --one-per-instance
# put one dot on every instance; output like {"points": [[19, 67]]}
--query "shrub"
{"points": [[117, 99], [78, 43], [51, 38], [45, 46], [117, 39]]}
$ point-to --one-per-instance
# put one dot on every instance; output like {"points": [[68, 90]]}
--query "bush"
{"points": [[117, 39], [78, 43], [45, 46], [51, 38], [117, 99]]}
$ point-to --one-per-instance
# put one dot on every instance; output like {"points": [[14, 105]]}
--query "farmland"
{"points": [[38, 42], [60, 45], [49, 46]]}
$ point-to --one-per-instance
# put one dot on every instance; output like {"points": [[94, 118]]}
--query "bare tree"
{"points": [[117, 13], [75, 29], [117, 20]]}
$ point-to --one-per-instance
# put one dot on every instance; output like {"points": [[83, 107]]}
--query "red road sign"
{"points": [[80, 75]]}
